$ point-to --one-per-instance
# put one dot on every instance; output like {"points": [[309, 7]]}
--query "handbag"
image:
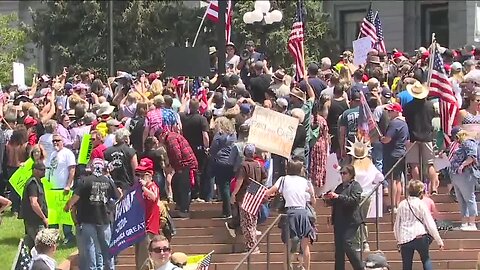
{"points": [[279, 202], [429, 236]]}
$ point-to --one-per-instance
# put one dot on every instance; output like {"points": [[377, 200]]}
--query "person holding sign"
{"points": [[34, 209], [92, 199]]}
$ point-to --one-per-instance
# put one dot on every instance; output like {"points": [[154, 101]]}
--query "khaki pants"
{"points": [[141, 251], [362, 233]]}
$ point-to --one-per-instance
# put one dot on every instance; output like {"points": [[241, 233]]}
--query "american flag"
{"points": [[295, 42], [368, 26], [254, 197], [23, 260], [367, 128], [380, 44], [205, 263], [441, 88], [212, 14]]}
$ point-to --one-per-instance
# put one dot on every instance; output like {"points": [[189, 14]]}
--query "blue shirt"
{"points": [[404, 98], [398, 132]]}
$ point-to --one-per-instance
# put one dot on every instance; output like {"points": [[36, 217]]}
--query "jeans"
{"points": [[181, 189], [223, 175], [421, 245], [206, 182], [377, 155], [464, 185], [161, 181], [93, 247], [67, 231], [344, 235]]}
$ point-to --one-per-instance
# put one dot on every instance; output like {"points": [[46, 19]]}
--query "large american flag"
{"points": [[254, 197], [295, 42], [23, 260], [212, 14], [367, 28], [380, 44], [205, 263], [441, 88]]}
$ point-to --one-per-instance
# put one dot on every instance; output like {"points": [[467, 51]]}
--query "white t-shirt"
{"points": [[293, 190], [109, 140], [46, 142], [58, 171]]}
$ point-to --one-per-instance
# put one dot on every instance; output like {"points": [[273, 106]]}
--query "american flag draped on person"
{"points": [[23, 259], [441, 88], [295, 41]]}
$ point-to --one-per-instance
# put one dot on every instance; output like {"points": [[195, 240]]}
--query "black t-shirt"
{"points": [[136, 128], [336, 109], [193, 124], [419, 114], [259, 86], [95, 193], [33, 188], [157, 158], [120, 157]]}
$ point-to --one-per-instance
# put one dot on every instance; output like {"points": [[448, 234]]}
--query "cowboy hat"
{"points": [[105, 109], [374, 59], [278, 75], [417, 90], [358, 149], [296, 92]]}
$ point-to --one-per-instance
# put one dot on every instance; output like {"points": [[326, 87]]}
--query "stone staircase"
{"points": [[205, 232]]}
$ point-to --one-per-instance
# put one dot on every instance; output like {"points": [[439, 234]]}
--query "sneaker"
{"points": [[469, 228], [230, 230], [258, 233], [366, 247], [395, 210], [226, 217], [199, 200]]}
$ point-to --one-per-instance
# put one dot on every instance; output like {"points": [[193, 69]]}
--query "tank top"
{"points": [[337, 107], [471, 119]]}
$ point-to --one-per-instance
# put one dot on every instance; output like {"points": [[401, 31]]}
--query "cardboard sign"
{"points": [[361, 47], [18, 74], [86, 148], [56, 201], [129, 225], [333, 178], [20, 177], [272, 131]]}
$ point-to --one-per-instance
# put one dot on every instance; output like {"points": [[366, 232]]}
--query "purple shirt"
{"points": [[67, 138]]}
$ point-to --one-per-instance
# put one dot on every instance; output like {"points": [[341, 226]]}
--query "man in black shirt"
{"points": [[195, 130], [418, 115], [260, 82], [318, 84], [92, 197], [34, 209]]}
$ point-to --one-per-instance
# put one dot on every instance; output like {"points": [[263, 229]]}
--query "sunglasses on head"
{"points": [[160, 249]]}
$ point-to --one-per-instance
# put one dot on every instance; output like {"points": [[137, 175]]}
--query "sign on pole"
{"points": [[272, 131], [18, 74], [361, 47]]}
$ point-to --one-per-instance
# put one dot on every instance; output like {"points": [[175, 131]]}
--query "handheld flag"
{"points": [[254, 197], [205, 263], [295, 42]]}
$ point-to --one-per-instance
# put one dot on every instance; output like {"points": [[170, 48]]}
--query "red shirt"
{"points": [[98, 152], [152, 210]]}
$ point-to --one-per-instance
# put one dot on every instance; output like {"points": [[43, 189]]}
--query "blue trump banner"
{"points": [[129, 224]]}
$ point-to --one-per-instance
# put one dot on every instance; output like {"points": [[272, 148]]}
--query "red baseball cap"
{"points": [[394, 107], [145, 166], [29, 121]]}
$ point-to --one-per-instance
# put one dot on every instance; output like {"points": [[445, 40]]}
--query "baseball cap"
{"points": [[245, 108], [282, 102], [145, 165], [355, 95], [249, 150], [394, 107], [456, 66], [97, 166], [113, 122]]}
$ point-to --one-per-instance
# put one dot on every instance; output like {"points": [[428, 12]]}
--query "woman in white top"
{"points": [[296, 224], [414, 228]]}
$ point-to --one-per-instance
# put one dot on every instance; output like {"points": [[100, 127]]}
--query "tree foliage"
{"points": [[13, 41], [76, 32]]}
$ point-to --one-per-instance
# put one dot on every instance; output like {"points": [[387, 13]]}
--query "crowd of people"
{"points": [[184, 141]]}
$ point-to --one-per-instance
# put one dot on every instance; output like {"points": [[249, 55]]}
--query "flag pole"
{"points": [[199, 27], [431, 50]]}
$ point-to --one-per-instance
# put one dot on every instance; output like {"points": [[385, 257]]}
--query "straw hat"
{"points": [[358, 149], [417, 90]]}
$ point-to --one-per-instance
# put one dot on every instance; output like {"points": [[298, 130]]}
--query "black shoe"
{"points": [[180, 214]]}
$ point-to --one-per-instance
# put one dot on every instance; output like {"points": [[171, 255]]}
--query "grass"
{"points": [[11, 231]]}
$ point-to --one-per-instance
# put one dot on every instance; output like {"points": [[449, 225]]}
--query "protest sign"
{"points": [[56, 201], [333, 178], [20, 177], [272, 131], [85, 150], [129, 225], [18, 74], [361, 47]]}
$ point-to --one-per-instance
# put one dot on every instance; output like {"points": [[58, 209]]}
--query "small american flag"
{"points": [[254, 197], [23, 260], [295, 42], [380, 44], [441, 88], [205, 263], [368, 26], [212, 11], [212, 14]]}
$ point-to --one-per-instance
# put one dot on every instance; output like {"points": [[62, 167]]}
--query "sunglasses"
{"points": [[57, 140], [344, 173], [159, 250]]}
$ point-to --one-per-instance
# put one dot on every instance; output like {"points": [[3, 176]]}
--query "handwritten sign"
{"points": [[129, 224], [56, 201], [361, 47], [333, 178], [20, 177], [272, 131], [18, 74], [85, 150]]}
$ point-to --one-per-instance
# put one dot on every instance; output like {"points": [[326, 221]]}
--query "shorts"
{"points": [[425, 148], [388, 162]]}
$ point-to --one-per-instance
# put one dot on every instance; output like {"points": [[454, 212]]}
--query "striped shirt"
{"points": [[407, 227]]}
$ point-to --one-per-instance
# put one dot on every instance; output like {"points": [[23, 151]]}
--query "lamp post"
{"points": [[263, 16]]}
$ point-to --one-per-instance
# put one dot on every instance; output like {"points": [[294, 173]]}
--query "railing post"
{"points": [[268, 250], [377, 208], [288, 242], [248, 262], [392, 200]]}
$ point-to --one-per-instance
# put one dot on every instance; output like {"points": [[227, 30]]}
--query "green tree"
{"points": [[77, 32], [13, 41], [319, 41]]}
